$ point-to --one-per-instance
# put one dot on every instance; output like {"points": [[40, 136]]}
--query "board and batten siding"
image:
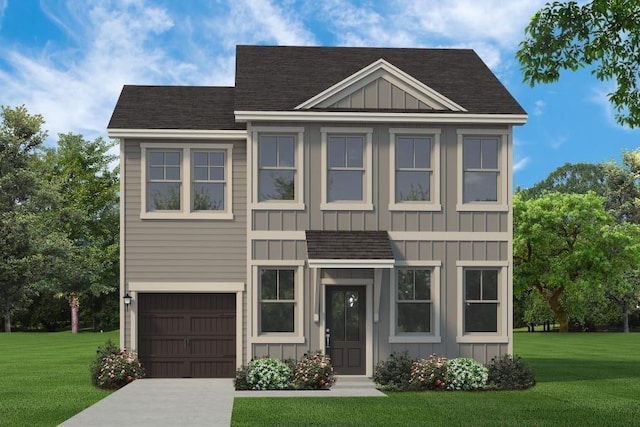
{"points": [[466, 226]]}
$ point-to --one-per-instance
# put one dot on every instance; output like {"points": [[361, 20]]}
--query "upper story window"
{"points": [[278, 168], [347, 169], [186, 181], [482, 161], [414, 169]]}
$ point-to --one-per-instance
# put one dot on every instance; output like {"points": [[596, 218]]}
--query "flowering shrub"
{"points": [[394, 374], [105, 350], [268, 374], [510, 373], [429, 374], [314, 372], [466, 374], [118, 370]]}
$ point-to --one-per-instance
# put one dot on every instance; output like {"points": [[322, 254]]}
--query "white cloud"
{"points": [[538, 108], [3, 7], [520, 164], [558, 141], [600, 96]]}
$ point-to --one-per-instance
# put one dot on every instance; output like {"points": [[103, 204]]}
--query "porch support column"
{"points": [[315, 283], [377, 290]]}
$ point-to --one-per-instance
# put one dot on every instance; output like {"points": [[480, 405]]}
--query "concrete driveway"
{"points": [[192, 402]]}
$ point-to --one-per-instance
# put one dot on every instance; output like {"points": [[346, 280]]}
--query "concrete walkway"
{"points": [[192, 402]]}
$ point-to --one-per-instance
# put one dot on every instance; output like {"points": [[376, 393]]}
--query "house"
{"points": [[355, 201]]}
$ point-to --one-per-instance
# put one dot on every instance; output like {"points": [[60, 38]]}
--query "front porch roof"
{"points": [[349, 249]]}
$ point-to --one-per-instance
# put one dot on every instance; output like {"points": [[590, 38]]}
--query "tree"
{"points": [[579, 178], [86, 216], [602, 34], [558, 247], [20, 190]]}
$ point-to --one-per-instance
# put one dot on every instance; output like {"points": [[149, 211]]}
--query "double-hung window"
{"points": [[278, 167], [482, 161], [186, 181], [483, 313], [414, 169], [414, 304], [346, 163], [277, 300]]}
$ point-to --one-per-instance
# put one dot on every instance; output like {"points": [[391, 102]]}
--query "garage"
{"points": [[187, 335]]}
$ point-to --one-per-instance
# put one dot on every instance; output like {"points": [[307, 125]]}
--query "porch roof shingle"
{"points": [[348, 245]]}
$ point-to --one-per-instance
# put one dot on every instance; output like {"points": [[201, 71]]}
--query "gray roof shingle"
{"points": [[356, 245], [175, 107], [278, 78]]}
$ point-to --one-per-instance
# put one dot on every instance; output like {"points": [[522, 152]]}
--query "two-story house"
{"points": [[355, 201]]}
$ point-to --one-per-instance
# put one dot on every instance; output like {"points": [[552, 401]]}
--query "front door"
{"points": [[346, 328]]}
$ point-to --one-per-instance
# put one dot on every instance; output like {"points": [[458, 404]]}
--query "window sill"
{"points": [[186, 216], [278, 339], [482, 339], [278, 206], [336, 206], [408, 339], [481, 207], [409, 207]]}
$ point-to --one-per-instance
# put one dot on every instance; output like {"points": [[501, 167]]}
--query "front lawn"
{"points": [[583, 379], [44, 377]]}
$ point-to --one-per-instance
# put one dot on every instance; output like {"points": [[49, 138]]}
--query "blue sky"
{"points": [[68, 60]]}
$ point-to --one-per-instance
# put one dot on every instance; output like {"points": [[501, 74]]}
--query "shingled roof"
{"points": [[175, 107], [278, 78], [348, 245]]}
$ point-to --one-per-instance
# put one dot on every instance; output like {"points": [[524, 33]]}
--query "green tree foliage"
{"points": [[86, 216], [579, 178], [558, 247], [20, 191], [601, 34]]}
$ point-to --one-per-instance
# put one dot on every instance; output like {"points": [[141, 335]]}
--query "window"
{"points": [[482, 160], [189, 181], [345, 176], [347, 164], [164, 180], [480, 170], [413, 310], [277, 156], [208, 181], [480, 300], [484, 292], [414, 169], [277, 300], [276, 167]]}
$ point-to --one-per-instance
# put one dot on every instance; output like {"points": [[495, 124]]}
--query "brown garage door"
{"points": [[187, 335]]}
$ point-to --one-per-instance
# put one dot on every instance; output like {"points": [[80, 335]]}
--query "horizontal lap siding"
{"points": [[185, 250]]}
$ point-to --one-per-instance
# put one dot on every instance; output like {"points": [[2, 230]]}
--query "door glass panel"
{"points": [[337, 316], [352, 318]]}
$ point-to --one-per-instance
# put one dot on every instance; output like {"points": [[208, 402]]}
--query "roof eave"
{"points": [[221, 134]]}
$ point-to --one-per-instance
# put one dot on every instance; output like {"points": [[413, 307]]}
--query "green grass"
{"points": [[44, 377], [583, 380]]}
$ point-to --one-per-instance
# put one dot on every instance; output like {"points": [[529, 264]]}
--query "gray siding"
{"points": [[184, 250], [381, 94]]}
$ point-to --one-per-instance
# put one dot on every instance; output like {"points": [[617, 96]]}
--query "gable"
{"points": [[381, 86]]}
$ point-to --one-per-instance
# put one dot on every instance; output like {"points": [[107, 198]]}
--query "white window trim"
{"points": [[185, 194], [433, 337], [502, 336], [503, 175], [367, 193], [298, 203], [296, 337], [434, 203]]}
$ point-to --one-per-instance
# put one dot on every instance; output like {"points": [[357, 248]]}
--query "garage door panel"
{"points": [[187, 335]]}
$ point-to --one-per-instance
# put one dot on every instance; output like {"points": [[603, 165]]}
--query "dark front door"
{"points": [[187, 335], [346, 325]]}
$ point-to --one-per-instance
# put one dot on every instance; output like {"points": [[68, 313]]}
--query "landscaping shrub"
{"points": [[240, 382], [104, 351], [394, 374], [510, 373], [118, 370], [466, 374], [314, 372], [268, 374], [429, 374]]}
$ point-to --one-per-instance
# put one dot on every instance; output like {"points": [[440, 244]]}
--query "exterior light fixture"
{"points": [[127, 299]]}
